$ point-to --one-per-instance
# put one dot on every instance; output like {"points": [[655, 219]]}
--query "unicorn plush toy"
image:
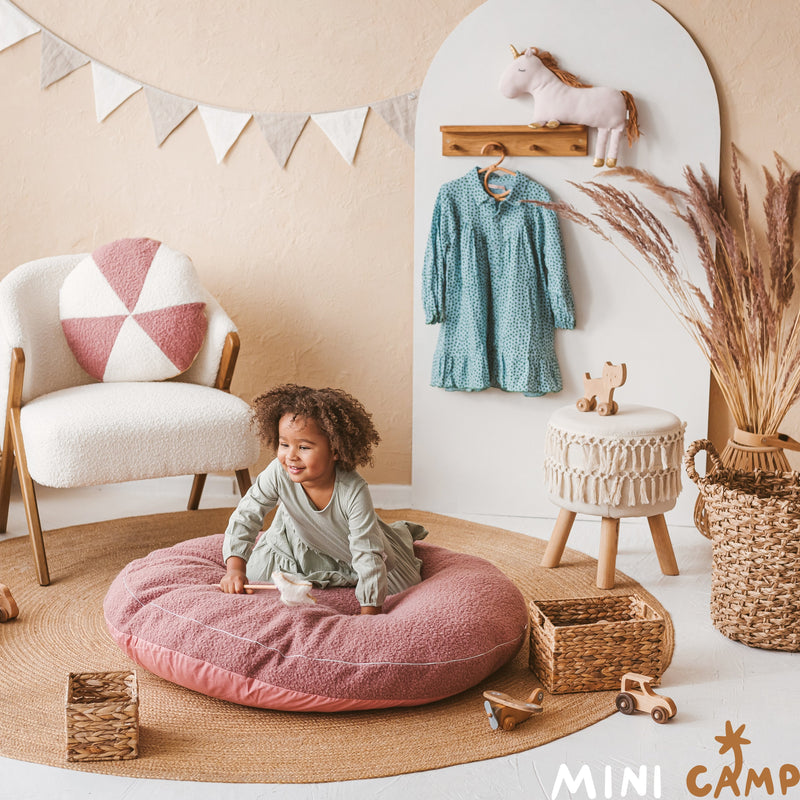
{"points": [[559, 96]]}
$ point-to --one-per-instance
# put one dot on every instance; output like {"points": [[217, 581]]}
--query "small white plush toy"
{"points": [[293, 593]]}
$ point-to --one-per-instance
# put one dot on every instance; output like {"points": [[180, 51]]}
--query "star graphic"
{"points": [[732, 739]]}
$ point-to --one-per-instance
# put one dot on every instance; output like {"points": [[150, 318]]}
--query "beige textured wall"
{"points": [[313, 262]]}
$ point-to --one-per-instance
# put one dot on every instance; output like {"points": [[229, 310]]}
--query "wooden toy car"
{"points": [[8, 608], [636, 693], [505, 712]]}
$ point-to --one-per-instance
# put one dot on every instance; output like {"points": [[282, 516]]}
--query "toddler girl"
{"points": [[325, 528]]}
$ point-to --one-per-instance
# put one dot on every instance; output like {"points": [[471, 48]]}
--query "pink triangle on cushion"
{"points": [[124, 264], [178, 330], [91, 340]]}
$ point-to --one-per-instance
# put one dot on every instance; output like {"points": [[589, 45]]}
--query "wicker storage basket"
{"points": [[754, 525], [587, 644], [102, 716]]}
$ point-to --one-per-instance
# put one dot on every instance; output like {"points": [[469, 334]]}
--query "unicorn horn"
{"points": [[514, 51]]}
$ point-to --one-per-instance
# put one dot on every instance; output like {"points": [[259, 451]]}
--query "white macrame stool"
{"points": [[624, 465]]}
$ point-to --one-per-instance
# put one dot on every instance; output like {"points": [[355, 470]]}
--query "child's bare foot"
{"points": [[8, 608]]}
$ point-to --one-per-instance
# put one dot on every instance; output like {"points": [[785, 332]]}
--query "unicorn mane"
{"points": [[549, 61]]}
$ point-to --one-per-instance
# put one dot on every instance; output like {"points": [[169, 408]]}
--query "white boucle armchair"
{"points": [[65, 429]]}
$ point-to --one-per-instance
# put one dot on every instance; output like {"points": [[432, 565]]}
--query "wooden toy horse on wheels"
{"points": [[560, 97]]}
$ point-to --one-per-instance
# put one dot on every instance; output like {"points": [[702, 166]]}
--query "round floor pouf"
{"points": [[624, 465], [461, 623]]}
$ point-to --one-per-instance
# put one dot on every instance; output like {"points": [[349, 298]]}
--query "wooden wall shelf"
{"points": [[518, 140]]}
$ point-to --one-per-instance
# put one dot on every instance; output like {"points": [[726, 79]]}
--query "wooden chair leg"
{"points": [[558, 539], [606, 563], [16, 448], [29, 501], [243, 479], [198, 484], [6, 475], [663, 545]]}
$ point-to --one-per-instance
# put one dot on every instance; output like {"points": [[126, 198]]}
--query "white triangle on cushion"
{"points": [[171, 281], [86, 293], [136, 357]]}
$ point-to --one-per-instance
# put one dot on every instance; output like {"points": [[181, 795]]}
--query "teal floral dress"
{"points": [[494, 278]]}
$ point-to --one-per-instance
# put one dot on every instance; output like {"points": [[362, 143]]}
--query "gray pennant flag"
{"points": [[167, 111], [400, 113], [58, 59], [281, 130]]}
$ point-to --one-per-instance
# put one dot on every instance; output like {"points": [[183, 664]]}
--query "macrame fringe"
{"points": [[613, 471]]}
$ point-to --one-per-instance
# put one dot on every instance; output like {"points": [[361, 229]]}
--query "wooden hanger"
{"points": [[487, 171]]}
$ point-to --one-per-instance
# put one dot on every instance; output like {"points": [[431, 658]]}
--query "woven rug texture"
{"points": [[184, 735]]}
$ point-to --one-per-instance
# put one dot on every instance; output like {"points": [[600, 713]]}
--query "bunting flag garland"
{"points": [[15, 26], [344, 129], [58, 59], [281, 130], [224, 126], [111, 89], [400, 113], [167, 111]]}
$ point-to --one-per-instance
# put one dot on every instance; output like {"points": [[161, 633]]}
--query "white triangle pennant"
{"points": [[400, 113], [111, 89], [281, 130], [223, 127], [59, 59], [344, 129], [167, 111], [14, 25]]}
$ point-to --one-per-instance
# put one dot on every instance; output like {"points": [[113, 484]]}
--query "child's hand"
{"points": [[236, 577], [371, 610]]}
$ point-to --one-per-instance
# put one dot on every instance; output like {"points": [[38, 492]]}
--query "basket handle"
{"points": [[713, 456]]}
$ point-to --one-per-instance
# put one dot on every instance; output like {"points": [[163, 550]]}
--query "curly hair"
{"points": [[342, 418]]}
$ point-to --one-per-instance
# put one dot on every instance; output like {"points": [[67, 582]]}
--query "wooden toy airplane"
{"points": [[505, 712]]}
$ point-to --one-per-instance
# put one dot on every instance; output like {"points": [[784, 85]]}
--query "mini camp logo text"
{"points": [[734, 780]]}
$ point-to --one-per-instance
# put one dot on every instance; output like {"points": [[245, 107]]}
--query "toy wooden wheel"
{"points": [[508, 724], [660, 715], [605, 409], [585, 404], [8, 608], [626, 703]]}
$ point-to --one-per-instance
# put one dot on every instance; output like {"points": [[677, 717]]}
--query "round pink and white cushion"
{"points": [[133, 310], [461, 623]]}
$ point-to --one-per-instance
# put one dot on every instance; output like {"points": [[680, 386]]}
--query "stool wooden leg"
{"points": [[606, 563], [663, 545], [558, 539]]}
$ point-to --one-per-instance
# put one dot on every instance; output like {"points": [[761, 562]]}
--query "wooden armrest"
{"points": [[230, 352]]}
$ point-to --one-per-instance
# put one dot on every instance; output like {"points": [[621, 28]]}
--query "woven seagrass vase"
{"points": [[753, 519]]}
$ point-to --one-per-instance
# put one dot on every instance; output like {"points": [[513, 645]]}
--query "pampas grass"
{"points": [[745, 318]]}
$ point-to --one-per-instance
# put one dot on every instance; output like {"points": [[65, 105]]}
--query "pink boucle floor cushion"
{"points": [[465, 620]]}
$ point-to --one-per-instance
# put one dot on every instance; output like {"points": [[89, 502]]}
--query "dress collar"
{"points": [[482, 196]]}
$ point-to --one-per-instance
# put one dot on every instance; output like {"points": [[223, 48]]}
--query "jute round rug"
{"points": [[184, 735]]}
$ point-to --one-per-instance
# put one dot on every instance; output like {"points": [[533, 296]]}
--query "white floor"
{"points": [[711, 679]]}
